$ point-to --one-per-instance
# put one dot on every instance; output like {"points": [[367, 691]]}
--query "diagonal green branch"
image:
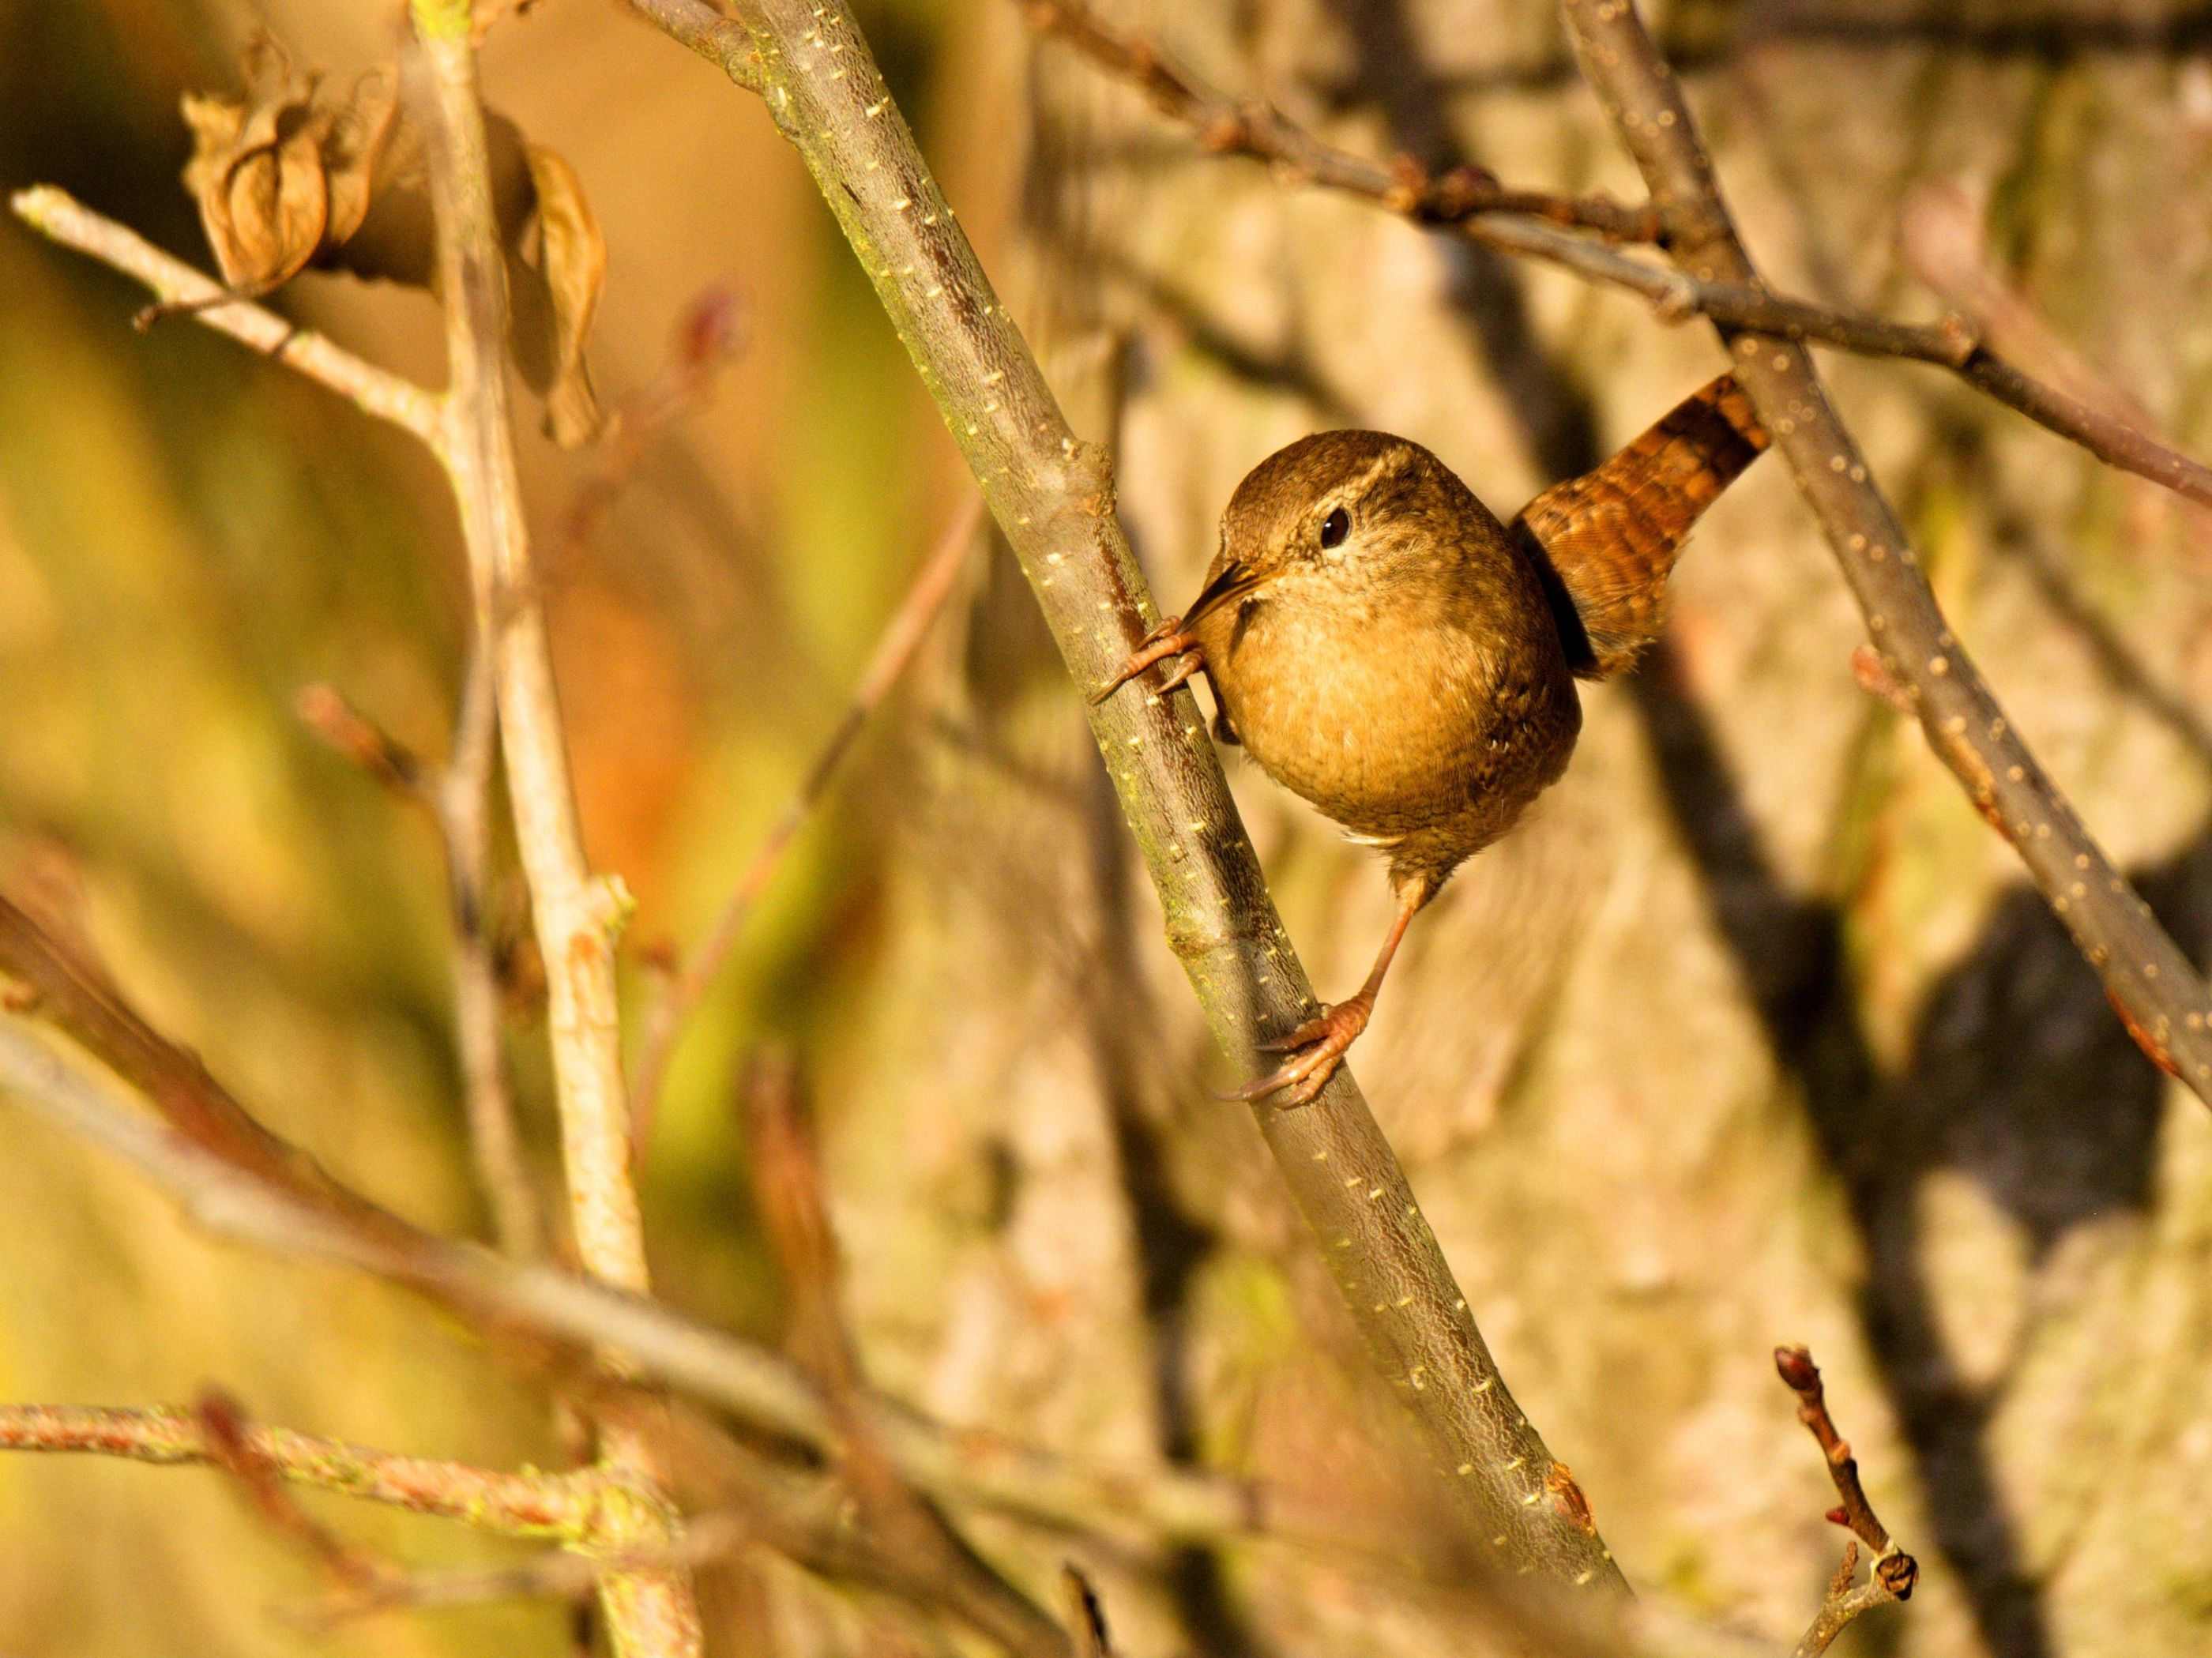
{"points": [[1052, 496]]}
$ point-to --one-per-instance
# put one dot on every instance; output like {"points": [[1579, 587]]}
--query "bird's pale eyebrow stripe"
{"points": [[1393, 459]]}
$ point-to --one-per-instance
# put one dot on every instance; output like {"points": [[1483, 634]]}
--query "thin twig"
{"points": [[555, 1575], [651, 1614], [462, 802], [55, 214], [1838, 1610], [1526, 227], [2159, 995], [1086, 1614], [1257, 129], [712, 330], [791, 1196], [227, 1435], [76, 997], [894, 648], [458, 800], [1053, 497], [518, 1505], [245, 1204], [1894, 1572]]}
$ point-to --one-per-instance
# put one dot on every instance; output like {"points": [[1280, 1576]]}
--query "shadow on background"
{"points": [[2019, 1077]]}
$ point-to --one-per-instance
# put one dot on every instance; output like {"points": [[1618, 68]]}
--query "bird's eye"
{"points": [[1335, 528]]}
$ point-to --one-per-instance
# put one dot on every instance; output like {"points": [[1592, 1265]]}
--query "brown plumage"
{"points": [[1383, 646]]}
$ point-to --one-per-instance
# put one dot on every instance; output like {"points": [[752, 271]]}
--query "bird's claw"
{"points": [[1316, 1048], [1164, 642]]}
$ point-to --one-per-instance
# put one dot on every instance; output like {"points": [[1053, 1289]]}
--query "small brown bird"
{"points": [[1382, 646]]}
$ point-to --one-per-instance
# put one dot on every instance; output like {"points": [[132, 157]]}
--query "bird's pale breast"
{"points": [[1415, 713]]}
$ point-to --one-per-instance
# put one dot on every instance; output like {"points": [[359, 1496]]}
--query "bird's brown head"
{"points": [[1336, 511]]}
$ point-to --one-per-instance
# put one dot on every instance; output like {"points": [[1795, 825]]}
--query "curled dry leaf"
{"points": [[280, 173], [286, 178], [555, 298]]}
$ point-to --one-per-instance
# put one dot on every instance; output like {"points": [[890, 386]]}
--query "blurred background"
{"points": [[1752, 1034]]}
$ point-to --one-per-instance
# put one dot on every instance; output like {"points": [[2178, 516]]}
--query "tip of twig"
{"points": [[1795, 1367], [34, 204], [715, 325], [1086, 1613]]}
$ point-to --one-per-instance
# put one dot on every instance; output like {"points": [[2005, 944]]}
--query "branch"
{"points": [[555, 1575], [1257, 129], [650, 1614], [457, 799], [1531, 225], [1894, 1571], [176, 286], [247, 1205], [462, 805], [790, 1195], [1053, 497], [518, 1505], [894, 648], [228, 1436], [2159, 997]]}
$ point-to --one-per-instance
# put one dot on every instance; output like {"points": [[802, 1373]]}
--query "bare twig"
{"points": [[54, 213], [784, 1163], [457, 798], [245, 1204], [1526, 227], [712, 330], [1894, 1572], [894, 648], [555, 1575], [1257, 129], [1941, 236], [462, 803], [650, 1614], [1842, 1604], [229, 1440], [1086, 1614], [75, 996], [2159, 995], [1053, 497], [904, 1526], [518, 1505]]}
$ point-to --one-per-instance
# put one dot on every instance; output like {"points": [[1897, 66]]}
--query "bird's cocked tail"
{"points": [[1606, 540]]}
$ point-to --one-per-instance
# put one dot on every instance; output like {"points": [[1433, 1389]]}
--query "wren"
{"points": [[1383, 646]]}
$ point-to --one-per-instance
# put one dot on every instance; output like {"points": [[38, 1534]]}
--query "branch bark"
{"points": [[650, 1614], [2151, 983], [1052, 496], [518, 1505], [457, 798]]}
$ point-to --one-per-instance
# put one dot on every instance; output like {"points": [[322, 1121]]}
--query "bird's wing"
{"points": [[1611, 535]]}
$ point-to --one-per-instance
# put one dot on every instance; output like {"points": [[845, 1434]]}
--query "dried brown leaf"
{"points": [[556, 298], [285, 177], [256, 171], [279, 172]]}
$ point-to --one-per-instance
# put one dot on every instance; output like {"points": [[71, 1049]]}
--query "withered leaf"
{"points": [[281, 170], [556, 297], [285, 177]]}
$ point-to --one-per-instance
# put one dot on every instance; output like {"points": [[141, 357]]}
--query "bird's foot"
{"points": [[1316, 1048], [1164, 642]]}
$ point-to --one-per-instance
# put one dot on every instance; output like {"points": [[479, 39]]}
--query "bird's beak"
{"points": [[1234, 581]]}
